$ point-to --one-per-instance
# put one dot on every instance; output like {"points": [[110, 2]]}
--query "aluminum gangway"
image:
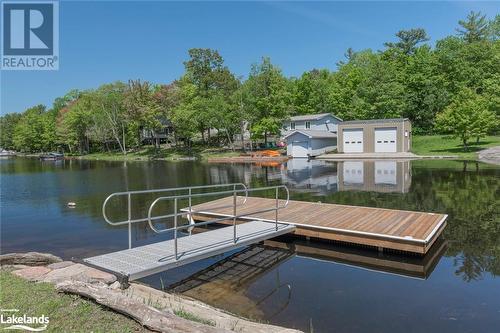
{"points": [[138, 262]]}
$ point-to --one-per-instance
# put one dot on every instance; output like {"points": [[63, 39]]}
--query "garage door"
{"points": [[353, 140], [385, 140], [300, 149]]}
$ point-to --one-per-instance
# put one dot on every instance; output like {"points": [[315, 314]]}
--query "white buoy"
{"points": [[71, 204]]}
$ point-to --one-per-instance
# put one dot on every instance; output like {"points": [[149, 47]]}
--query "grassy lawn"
{"points": [[67, 313], [444, 145], [162, 154]]}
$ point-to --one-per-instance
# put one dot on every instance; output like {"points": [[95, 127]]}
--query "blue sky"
{"points": [[108, 41]]}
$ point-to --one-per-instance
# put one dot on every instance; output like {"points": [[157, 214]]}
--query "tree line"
{"points": [[452, 87]]}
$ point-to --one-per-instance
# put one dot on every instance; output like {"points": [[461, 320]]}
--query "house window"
{"points": [[308, 125], [292, 125]]}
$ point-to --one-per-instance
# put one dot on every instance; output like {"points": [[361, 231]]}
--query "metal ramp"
{"points": [[142, 261], [146, 260]]}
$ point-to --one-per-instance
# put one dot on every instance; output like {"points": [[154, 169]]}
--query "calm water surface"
{"points": [[324, 287]]}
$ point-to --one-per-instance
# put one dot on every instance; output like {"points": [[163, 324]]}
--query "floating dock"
{"points": [[381, 228], [249, 159], [254, 220]]}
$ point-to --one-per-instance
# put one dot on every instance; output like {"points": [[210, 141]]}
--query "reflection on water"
{"points": [[313, 176], [419, 267], [334, 288], [377, 176], [323, 177], [224, 283]]}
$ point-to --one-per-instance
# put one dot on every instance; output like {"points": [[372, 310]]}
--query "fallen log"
{"points": [[151, 318], [28, 259]]}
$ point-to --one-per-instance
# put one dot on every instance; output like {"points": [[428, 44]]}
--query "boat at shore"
{"points": [[51, 156], [6, 153]]}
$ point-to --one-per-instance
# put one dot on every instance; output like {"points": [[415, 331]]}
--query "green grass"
{"points": [[67, 313], [191, 316], [169, 154], [445, 145]]}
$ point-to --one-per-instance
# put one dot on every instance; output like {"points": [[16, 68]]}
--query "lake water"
{"points": [[320, 287]]}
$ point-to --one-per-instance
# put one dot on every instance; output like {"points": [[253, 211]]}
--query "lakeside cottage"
{"points": [[311, 135], [308, 136]]}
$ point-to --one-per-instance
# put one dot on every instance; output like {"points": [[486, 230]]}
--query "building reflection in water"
{"points": [[374, 176], [315, 175], [326, 176]]}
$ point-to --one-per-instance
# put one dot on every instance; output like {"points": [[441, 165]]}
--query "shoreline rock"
{"points": [[490, 155], [152, 308], [28, 259], [147, 316]]}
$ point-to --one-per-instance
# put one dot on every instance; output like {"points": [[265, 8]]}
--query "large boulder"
{"points": [[32, 273], [79, 272], [28, 259]]}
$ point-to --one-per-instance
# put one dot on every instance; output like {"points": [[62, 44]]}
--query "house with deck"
{"points": [[311, 135]]}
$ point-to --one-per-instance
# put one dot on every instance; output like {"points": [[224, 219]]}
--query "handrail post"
{"points": [[175, 228], [277, 207], [190, 205], [129, 205], [234, 214]]}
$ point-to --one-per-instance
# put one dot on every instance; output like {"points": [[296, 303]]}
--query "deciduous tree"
{"points": [[268, 99], [466, 117]]}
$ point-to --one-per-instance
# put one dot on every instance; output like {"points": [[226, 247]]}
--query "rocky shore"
{"points": [[154, 309]]}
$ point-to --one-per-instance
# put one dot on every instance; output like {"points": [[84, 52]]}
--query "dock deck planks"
{"points": [[149, 259], [383, 228]]}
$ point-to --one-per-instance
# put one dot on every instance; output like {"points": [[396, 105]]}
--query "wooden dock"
{"points": [[381, 228], [249, 159]]}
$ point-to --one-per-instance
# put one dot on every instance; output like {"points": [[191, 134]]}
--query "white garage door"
{"points": [[385, 140], [353, 140], [300, 149]]}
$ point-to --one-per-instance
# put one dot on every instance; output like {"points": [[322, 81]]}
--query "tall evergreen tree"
{"points": [[475, 28], [408, 40]]}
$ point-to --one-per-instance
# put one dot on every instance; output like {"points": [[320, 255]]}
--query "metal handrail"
{"points": [[129, 194], [233, 217]]}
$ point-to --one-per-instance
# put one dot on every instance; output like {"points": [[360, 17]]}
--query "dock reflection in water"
{"points": [[405, 265], [225, 284], [323, 177]]}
